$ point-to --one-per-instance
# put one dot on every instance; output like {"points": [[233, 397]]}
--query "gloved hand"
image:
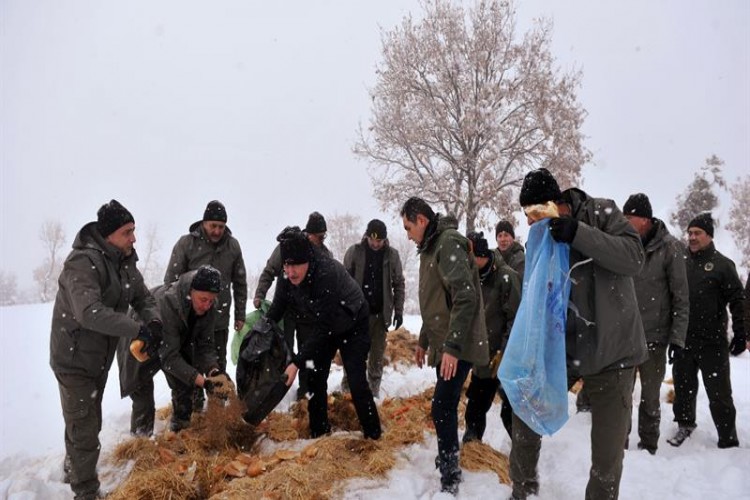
{"points": [[218, 384], [674, 353], [157, 336], [563, 229], [398, 320], [737, 345]]}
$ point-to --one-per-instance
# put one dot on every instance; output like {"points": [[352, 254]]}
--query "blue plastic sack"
{"points": [[533, 371]]}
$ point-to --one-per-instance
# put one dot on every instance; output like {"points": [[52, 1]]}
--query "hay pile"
{"points": [[399, 348], [220, 456]]}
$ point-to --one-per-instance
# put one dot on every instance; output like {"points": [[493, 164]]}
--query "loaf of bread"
{"points": [[136, 349], [541, 211]]}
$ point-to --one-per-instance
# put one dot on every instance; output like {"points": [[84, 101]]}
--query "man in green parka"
{"points": [[98, 283], [453, 335]]}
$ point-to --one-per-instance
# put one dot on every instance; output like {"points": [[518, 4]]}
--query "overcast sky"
{"points": [[167, 105]]}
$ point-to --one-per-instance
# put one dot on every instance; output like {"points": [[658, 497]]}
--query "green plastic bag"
{"points": [[250, 320]]}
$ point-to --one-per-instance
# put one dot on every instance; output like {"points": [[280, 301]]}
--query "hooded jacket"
{"points": [[188, 346], [393, 276], [604, 328], [450, 297], [714, 284], [501, 294], [195, 249], [662, 289], [328, 300], [96, 286]]}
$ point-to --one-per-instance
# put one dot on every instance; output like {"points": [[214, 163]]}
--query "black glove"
{"points": [[398, 320], [674, 353], [154, 328], [563, 229], [737, 345], [218, 384]]}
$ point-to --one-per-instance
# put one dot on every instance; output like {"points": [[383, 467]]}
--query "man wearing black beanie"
{"points": [[97, 285], [508, 249], [605, 338], [714, 285], [663, 300], [330, 305], [187, 355], [210, 241]]}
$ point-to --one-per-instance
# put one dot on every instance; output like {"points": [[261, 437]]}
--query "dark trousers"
{"points": [[182, 403], [445, 416], [143, 409], [304, 331], [81, 400], [479, 395], [378, 333], [649, 410], [221, 337], [354, 347], [611, 397], [713, 362]]}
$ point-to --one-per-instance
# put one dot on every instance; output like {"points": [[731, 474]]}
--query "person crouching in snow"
{"points": [[187, 308], [328, 301]]}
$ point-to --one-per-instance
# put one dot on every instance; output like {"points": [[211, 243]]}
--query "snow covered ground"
{"points": [[31, 435]]}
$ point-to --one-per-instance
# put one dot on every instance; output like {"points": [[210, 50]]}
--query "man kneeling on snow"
{"points": [[187, 352]]}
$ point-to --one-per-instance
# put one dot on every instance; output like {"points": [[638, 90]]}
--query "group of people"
{"points": [[638, 299]]}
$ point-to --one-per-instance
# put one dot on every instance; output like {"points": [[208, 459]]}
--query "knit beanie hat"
{"points": [[539, 186], [316, 224], [215, 211], [295, 247], [703, 221], [479, 244], [638, 205], [111, 217], [376, 229], [207, 279], [505, 226]]}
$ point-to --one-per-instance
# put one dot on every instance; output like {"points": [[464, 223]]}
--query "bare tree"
{"points": [[53, 238], [343, 231], [151, 268], [463, 108], [699, 196], [8, 289], [739, 221]]}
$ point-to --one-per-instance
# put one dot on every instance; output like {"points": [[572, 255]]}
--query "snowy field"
{"points": [[31, 435]]}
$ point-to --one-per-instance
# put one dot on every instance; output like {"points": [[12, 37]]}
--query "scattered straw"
{"points": [[477, 456]]}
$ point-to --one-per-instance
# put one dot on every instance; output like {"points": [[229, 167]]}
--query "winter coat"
{"points": [[714, 284], [515, 257], [188, 346], [662, 289], [393, 276], [604, 328], [274, 268], [328, 303], [450, 298], [501, 294], [747, 308], [97, 285], [194, 250]]}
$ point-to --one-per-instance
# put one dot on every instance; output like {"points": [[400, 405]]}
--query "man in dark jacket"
{"points": [[210, 242], [326, 301], [188, 313], [453, 334], [714, 285], [604, 333], [501, 294], [377, 268], [508, 248], [663, 300], [98, 283], [315, 230]]}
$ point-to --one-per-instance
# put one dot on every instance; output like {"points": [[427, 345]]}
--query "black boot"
{"points": [[450, 474]]}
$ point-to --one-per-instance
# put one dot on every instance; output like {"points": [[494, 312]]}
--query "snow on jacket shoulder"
{"points": [[96, 287], [604, 329]]}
